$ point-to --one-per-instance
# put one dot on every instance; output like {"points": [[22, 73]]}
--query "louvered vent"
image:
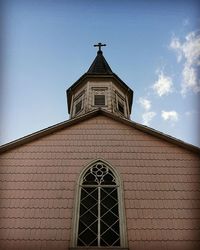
{"points": [[99, 100], [121, 108], [78, 107]]}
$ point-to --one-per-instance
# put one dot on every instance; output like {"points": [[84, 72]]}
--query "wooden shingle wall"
{"points": [[160, 183]]}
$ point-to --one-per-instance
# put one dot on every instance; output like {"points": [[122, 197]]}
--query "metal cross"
{"points": [[99, 45]]}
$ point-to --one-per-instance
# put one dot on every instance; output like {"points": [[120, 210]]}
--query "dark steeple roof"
{"points": [[101, 69], [99, 65]]}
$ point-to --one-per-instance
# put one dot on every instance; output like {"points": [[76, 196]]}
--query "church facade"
{"points": [[99, 180]]}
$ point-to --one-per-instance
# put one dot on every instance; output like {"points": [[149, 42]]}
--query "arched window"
{"points": [[99, 222]]}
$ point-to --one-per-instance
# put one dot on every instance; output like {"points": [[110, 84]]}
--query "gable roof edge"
{"points": [[70, 122], [156, 133], [54, 128]]}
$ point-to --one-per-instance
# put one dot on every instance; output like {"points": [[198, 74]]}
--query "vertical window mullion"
{"points": [[99, 210], [99, 215]]}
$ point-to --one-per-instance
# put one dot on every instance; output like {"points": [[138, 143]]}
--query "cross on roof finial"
{"points": [[99, 45]]}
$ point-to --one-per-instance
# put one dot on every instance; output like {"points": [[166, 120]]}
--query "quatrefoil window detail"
{"points": [[99, 174]]}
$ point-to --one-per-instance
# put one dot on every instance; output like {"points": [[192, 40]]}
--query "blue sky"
{"points": [[153, 46]]}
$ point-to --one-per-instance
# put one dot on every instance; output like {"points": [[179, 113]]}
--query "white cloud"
{"points": [[170, 115], [176, 45], [145, 103], [190, 79], [163, 85], [147, 117], [189, 52]]}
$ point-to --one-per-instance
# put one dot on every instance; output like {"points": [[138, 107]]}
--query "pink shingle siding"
{"points": [[160, 184]]}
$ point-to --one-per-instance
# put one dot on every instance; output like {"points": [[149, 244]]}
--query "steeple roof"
{"points": [[99, 69], [99, 65]]}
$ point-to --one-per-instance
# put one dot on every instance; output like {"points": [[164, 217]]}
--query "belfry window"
{"points": [[121, 107], [78, 107], [78, 103], [100, 96], [120, 104], [99, 221], [99, 100]]}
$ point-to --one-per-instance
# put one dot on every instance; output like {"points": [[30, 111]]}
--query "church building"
{"points": [[99, 180]]}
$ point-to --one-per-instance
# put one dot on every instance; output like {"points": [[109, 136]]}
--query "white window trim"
{"points": [[76, 212]]}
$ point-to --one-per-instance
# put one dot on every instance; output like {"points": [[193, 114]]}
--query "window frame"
{"points": [[99, 105], [76, 214], [99, 91], [81, 106], [120, 100], [119, 103], [78, 98]]}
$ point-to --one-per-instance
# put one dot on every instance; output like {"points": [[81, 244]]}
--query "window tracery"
{"points": [[99, 209]]}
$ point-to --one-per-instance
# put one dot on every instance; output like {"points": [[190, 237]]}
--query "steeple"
{"points": [[98, 88], [99, 65]]}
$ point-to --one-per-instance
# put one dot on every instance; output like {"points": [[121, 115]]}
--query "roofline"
{"points": [[44, 132], [156, 133], [99, 111], [89, 75]]}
